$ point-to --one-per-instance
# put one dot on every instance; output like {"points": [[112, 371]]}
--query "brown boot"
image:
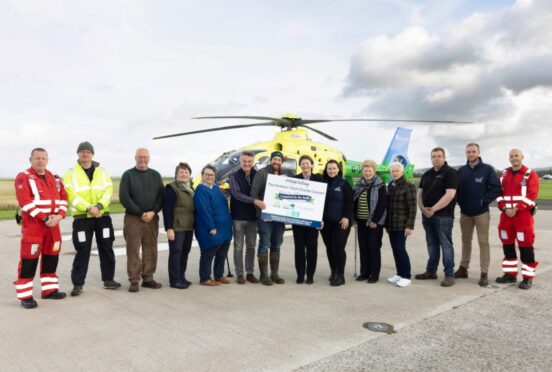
{"points": [[426, 275], [152, 284], [223, 280], [484, 280], [240, 279], [251, 278], [448, 281], [461, 273]]}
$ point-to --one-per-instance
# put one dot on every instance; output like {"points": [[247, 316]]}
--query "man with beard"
{"points": [[271, 233], [89, 188], [478, 188]]}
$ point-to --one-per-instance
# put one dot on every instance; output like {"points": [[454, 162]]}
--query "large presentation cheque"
{"points": [[294, 201]]}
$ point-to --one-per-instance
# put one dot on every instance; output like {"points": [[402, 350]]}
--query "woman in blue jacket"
{"points": [[213, 228]]}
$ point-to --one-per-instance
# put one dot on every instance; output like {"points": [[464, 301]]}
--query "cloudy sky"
{"points": [[117, 73]]}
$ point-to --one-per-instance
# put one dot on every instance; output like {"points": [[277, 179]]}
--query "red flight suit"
{"points": [[519, 190], [39, 197]]}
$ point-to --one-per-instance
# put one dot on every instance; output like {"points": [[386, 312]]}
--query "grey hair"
{"points": [[396, 164]]}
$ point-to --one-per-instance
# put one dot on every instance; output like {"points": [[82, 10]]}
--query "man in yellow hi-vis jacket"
{"points": [[89, 190]]}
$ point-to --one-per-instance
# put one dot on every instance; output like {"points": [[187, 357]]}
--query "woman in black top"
{"points": [[370, 202], [338, 212], [304, 237]]}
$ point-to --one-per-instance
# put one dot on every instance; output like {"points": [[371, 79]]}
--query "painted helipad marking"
{"points": [[116, 233], [121, 250]]}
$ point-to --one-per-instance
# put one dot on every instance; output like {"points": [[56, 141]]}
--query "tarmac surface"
{"points": [[282, 327]]}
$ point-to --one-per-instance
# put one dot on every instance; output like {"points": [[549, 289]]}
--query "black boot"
{"points": [[505, 279], [484, 280], [332, 276], [274, 266], [29, 303], [339, 279], [55, 295], [77, 290], [526, 284], [263, 268]]}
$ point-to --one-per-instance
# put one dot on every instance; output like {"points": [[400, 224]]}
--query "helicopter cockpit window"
{"points": [[262, 162], [229, 163], [289, 167]]}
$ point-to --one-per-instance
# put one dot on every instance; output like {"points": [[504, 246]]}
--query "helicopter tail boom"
{"points": [[398, 149]]}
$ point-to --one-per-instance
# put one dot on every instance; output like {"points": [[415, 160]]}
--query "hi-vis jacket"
{"points": [[83, 193], [519, 189], [40, 197]]}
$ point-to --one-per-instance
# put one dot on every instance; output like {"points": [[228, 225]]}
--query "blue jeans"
{"points": [[271, 236], [398, 245], [219, 253], [438, 231]]}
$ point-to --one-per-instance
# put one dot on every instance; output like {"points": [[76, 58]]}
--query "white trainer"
{"points": [[404, 282], [394, 279]]}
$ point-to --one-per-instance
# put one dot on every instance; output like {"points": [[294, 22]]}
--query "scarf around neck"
{"points": [[374, 185], [186, 187]]}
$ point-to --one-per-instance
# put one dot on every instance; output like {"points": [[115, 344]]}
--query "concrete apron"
{"points": [[235, 327]]}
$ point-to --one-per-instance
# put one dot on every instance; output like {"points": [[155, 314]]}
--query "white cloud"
{"points": [[117, 73], [492, 68]]}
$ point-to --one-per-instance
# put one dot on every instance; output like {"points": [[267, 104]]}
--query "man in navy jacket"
{"points": [[479, 187], [244, 217]]}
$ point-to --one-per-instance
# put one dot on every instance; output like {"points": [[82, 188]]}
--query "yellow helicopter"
{"points": [[293, 141]]}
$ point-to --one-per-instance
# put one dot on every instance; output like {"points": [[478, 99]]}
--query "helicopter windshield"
{"points": [[228, 163]]}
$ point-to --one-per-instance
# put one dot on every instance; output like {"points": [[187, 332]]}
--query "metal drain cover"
{"points": [[379, 327]]}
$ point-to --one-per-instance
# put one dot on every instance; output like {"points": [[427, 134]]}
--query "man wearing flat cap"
{"points": [[89, 190], [271, 233]]}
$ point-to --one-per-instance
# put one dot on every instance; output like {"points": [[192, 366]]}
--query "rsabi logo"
{"points": [[398, 138], [400, 159]]}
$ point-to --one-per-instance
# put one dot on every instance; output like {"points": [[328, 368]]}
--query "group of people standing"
{"points": [[475, 186], [371, 205]]}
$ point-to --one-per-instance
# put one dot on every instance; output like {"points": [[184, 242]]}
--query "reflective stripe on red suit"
{"points": [[519, 190], [39, 198]]}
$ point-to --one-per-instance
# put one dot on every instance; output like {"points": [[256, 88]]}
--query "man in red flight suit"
{"points": [[43, 202], [520, 187]]}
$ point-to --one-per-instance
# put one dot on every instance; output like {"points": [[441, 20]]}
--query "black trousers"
{"points": [[527, 253], [179, 249], [83, 231], [369, 247], [306, 240], [335, 240]]}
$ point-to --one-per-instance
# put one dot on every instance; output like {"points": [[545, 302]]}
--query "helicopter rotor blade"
{"points": [[266, 124], [390, 120], [319, 132], [280, 120]]}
